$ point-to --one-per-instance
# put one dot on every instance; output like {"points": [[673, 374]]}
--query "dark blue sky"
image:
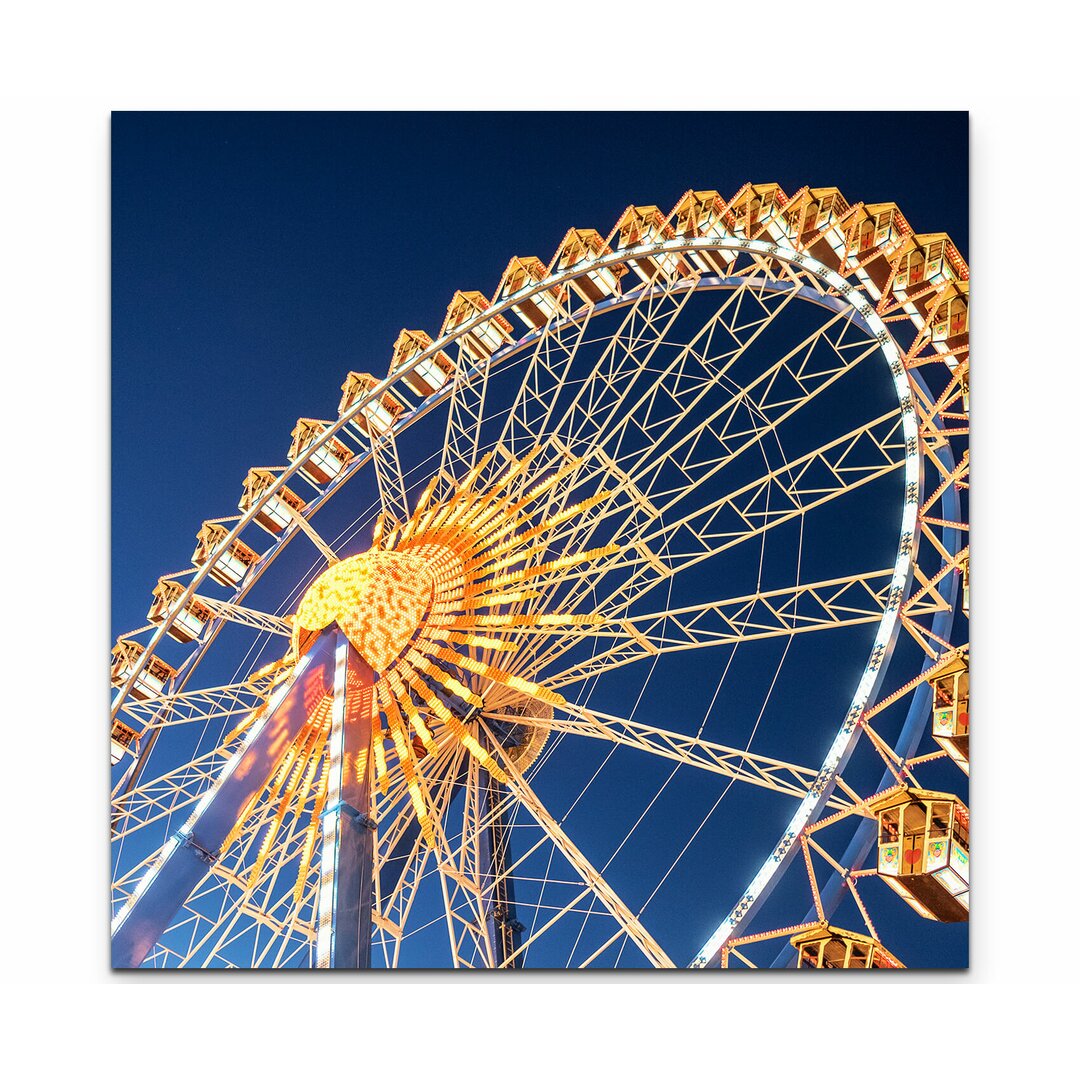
{"points": [[259, 257]]}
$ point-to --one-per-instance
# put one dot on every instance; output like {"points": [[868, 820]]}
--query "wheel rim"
{"points": [[797, 263]]}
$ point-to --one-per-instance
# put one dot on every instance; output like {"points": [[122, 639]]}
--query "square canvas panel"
{"points": [[540, 540]]}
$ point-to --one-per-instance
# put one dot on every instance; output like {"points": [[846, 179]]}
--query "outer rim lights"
{"points": [[144, 882], [903, 566], [848, 733]]}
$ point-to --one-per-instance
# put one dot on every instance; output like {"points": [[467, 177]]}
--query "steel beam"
{"points": [[191, 853], [497, 887], [346, 886]]}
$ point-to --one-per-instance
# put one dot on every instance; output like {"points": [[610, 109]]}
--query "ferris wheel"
{"points": [[644, 604]]}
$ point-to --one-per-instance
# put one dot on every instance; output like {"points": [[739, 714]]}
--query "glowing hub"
{"points": [[439, 607], [379, 599]]}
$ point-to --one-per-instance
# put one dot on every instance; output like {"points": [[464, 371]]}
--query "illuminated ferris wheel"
{"points": [[644, 605]]}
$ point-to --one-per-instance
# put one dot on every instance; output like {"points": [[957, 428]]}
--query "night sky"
{"points": [[259, 257]]}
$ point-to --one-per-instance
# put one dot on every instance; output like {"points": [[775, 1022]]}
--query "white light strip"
{"points": [[331, 822], [719, 239], [845, 737], [174, 841]]}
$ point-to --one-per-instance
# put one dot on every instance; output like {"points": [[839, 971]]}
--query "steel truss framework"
{"points": [[658, 456]]}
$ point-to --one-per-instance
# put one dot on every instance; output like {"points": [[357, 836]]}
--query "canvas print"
{"points": [[540, 541]]}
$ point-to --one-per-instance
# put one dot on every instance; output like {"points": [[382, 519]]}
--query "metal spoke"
{"points": [[193, 706], [596, 885], [756, 769], [666, 408], [833, 604]]}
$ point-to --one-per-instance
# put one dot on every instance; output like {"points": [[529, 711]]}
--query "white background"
{"points": [[64, 67]]}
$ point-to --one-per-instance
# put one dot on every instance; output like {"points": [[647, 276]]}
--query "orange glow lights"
{"points": [[379, 600], [481, 559]]}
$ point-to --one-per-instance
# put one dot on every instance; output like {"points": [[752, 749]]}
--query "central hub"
{"points": [[448, 609], [378, 598]]}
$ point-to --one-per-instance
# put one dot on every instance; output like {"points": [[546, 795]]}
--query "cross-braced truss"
{"points": [[735, 432]]}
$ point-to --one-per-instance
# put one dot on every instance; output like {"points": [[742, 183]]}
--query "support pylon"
{"points": [[504, 929], [191, 853], [346, 885]]}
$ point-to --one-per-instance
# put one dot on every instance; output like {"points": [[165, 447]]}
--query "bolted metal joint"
{"points": [[502, 916], [361, 821], [208, 857]]}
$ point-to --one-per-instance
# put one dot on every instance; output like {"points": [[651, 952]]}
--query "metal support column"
{"points": [[346, 885], [192, 852], [503, 928]]}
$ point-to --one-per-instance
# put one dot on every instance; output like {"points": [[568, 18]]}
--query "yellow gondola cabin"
{"points": [[950, 730], [150, 681], [701, 214], [190, 619], [327, 461], [123, 737], [647, 225], [539, 309], [580, 245], [949, 322], [379, 415], [923, 850], [827, 217], [431, 374], [486, 336], [753, 208], [828, 946], [924, 260], [229, 563], [274, 515], [875, 236]]}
